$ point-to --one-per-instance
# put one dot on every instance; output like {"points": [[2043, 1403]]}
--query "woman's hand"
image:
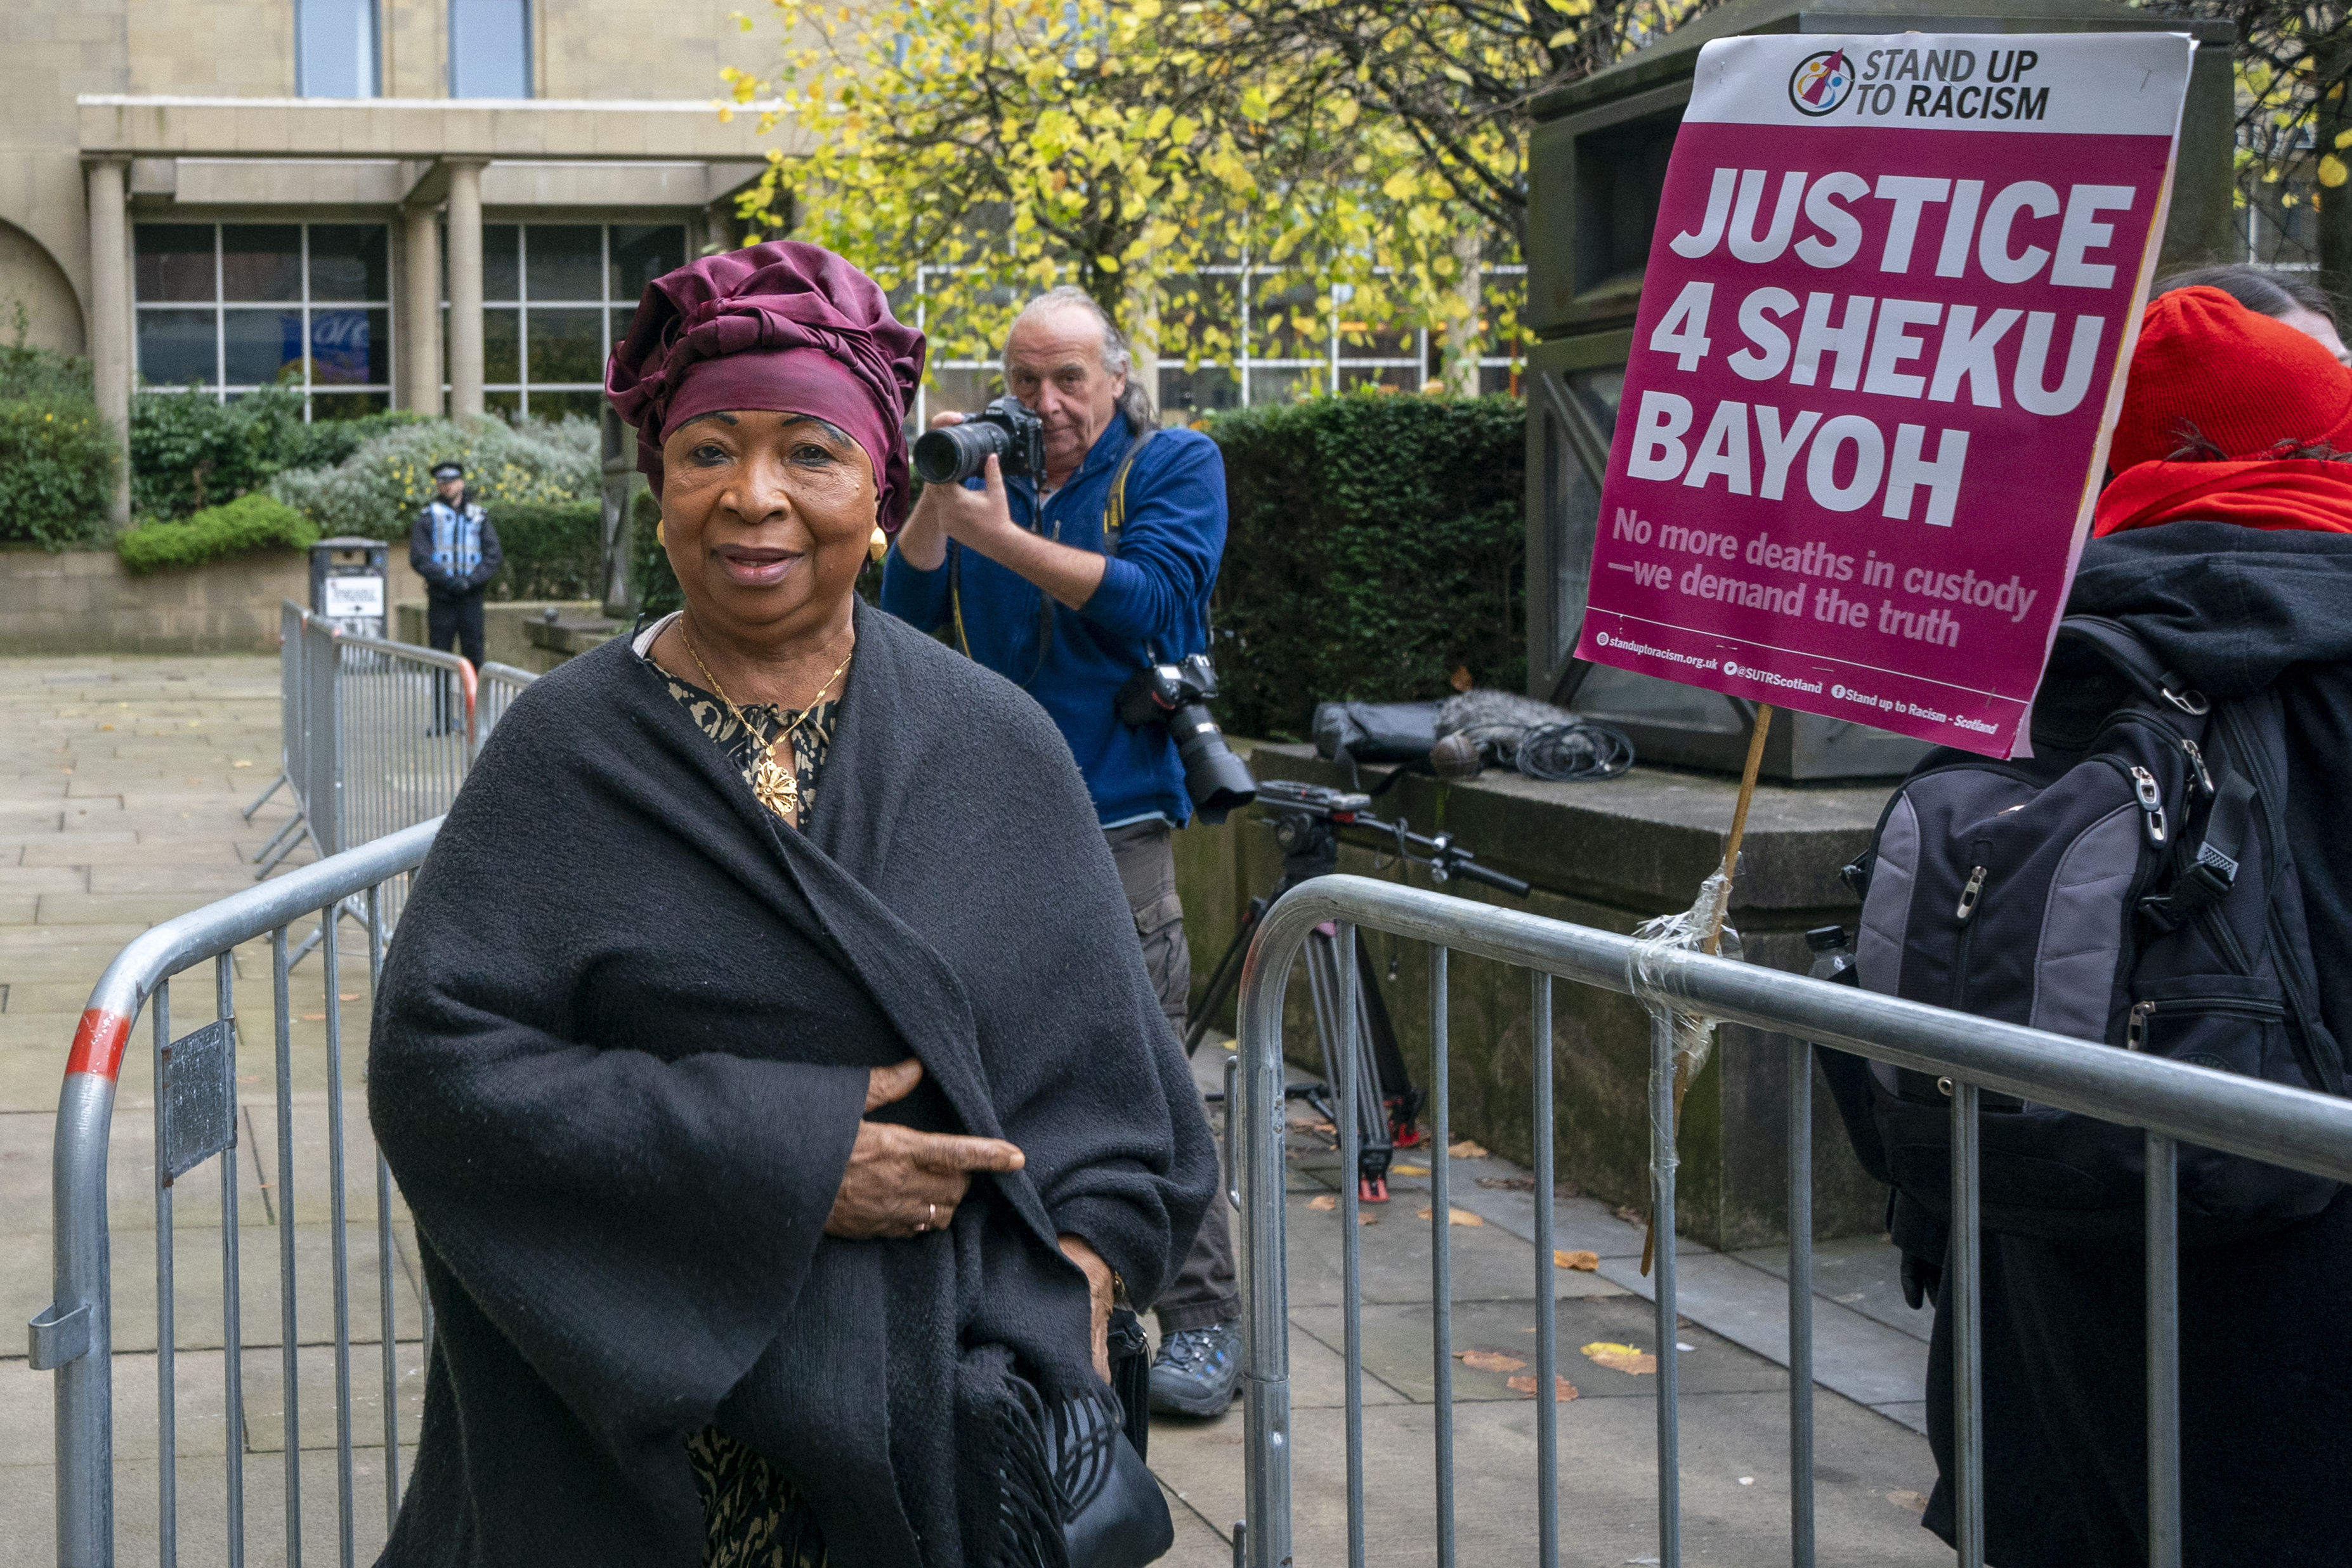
{"points": [[900, 1182], [1099, 1285]]}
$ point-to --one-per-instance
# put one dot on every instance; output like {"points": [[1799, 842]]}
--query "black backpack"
{"points": [[2132, 883]]}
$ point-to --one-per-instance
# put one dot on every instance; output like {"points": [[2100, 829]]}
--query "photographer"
{"points": [[1021, 572]]}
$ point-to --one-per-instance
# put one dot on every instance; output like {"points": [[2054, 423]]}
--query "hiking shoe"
{"points": [[1197, 1370]]}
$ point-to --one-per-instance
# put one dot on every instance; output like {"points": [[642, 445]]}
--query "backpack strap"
{"points": [[2119, 647], [2215, 868]]}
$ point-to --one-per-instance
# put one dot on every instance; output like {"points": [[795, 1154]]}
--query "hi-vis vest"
{"points": [[456, 538]]}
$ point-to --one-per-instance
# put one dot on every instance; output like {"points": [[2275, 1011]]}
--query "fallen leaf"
{"points": [[1325, 1127], [1326, 1202], [1588, 1262], [314, 1017], [1490, 1361], [1562, 1391], [353, 995], [1367, 1219], [1631, 1360], [197, 778], [110, 726], [246, 761], [1633, 1215], [1424, 1170], [1452, 1216], [1467, 1150], [1909, 1499]]}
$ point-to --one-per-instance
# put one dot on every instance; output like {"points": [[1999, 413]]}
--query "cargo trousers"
{"points": [[1206, 1289]]}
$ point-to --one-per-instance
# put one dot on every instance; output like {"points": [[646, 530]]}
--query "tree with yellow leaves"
{"points": [[1010, 146], [1003, 146]]}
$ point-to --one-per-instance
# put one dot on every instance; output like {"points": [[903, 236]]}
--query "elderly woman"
{"points": [[765, 1054]]}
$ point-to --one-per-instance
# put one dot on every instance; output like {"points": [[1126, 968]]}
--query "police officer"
{"points": [[455, 550]]}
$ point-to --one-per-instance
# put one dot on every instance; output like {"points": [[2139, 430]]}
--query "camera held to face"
{"points": [[1008, 427], [1177, 695]]}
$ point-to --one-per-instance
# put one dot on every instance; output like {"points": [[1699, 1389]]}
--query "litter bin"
{"points": [[1596, 165], [348, 584]]}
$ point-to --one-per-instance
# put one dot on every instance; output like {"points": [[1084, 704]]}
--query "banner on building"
{"points": [[1891, 296]]}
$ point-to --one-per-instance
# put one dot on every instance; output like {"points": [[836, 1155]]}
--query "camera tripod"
{"points": [[1306, 819]]}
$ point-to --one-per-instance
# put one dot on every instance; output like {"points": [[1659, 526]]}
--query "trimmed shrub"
{"points": [[1377, 543], [250, 522], [376, 491], [189, 451], [651, 580], [554, 550], [58, 467]]}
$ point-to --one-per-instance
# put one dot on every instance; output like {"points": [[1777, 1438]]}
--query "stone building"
{"points": [[440, 204]]}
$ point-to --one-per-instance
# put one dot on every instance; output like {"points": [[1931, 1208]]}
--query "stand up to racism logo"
{"points": [[1820, 82]]}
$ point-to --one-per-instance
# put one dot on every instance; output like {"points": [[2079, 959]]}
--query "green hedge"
{"points": [[1377, 543], [57, 465], [651, 580], [189, 451], [250, 522], [554, 550]]}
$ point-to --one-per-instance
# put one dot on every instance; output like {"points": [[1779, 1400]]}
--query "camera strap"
{"points": [[1114, 519]]}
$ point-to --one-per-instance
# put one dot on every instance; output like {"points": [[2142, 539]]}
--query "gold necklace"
{"points": [[775, 786]]}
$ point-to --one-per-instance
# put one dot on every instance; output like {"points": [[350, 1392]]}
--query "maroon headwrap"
{"points": [[784, 327]]}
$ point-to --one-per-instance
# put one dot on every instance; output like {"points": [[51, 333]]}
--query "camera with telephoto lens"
{"points": [[1008, 427], [1176, 696]]}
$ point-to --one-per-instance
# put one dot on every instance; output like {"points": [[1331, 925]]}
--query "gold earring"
{"points": [[658, 534], [879, 546]]}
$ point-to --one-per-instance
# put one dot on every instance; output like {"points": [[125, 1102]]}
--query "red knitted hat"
{"points": [[2209, 365]]}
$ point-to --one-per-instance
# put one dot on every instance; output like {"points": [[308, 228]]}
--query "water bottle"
{"points": [[1832, 955]]}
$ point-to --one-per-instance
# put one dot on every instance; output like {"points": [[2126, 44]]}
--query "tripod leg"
{"points": [[1400, 1097], [1222, 980], [1374, 1146], [1322, 990]]}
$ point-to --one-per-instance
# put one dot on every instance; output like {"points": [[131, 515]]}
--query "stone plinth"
{"points": [[1607, 855]]}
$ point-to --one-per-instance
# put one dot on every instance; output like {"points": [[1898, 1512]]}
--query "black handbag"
{"points": [[1118, 1516]]}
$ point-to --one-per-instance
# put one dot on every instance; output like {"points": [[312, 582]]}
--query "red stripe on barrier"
{"points": [[98, 1044]]}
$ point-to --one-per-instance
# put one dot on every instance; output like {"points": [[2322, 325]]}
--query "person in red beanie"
{"points": [[2225, 545], [2232, 417]]}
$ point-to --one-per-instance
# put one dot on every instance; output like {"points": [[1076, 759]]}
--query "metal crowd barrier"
{"points": [[197, 1113], [501, 684], [2172, 1102], [378, 735]]}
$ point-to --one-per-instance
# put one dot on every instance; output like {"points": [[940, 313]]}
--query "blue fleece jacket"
{"points": [[1154, 596]]}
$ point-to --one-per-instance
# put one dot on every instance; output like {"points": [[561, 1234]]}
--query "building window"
{"points": [[489, 48], [228, 308], [335, 48], [555, 298]]}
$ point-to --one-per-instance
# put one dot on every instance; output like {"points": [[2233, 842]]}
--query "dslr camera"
{"points": [[1177, 695], [1007, 428]]}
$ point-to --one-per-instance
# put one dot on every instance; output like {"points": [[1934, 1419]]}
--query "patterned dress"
{"points": [[754, 1516], [810, 742]]}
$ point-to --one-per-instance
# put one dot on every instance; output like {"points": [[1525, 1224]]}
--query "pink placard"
{"points": [[1888, 308]]}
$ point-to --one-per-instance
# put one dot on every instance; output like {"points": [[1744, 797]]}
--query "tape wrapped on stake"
{"points": [[1703, 928]]}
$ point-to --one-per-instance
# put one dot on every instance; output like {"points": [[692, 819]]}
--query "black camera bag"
{"points": [[1375, 732], [2131, 884]]}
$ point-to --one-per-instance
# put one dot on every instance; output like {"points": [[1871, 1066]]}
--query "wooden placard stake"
{"points": [[1714, 944]]}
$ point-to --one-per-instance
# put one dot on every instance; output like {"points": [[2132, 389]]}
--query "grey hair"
{"points": [[1135, 402]]}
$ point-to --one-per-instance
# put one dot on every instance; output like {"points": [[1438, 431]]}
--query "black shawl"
{"points": [[619, 1056]]}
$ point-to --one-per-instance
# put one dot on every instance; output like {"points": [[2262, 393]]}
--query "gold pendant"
{"points": [[773, 786]]}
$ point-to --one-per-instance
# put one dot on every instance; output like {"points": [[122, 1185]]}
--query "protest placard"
{"points": [[1888, 305]]}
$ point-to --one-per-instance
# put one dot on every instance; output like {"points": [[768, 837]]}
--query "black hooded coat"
{"points": [[2265, 1323], [620, 1054]]}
